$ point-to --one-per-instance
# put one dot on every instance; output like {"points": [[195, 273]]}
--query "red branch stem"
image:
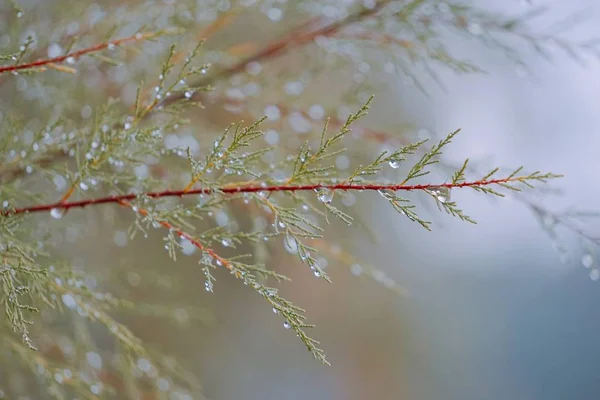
{"points": [[252, 189], [180, 233], [297, 38], [76, 54]]}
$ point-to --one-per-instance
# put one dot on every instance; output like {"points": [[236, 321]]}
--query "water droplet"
{"points": [[144, 365], [287, 325], [290, 245], [475, 29], [94, 359], [441, 193], [69, 301], [188, 248], [226, 242], [294, 88], [304, 256], [356, 269], [271, 137], [316, 112], [324, 195], [275, 310], [272, 112], [57, 213], [395, 162], [342, 162], [274, 14], [188, 94], [96, 388], [84, 186], [548, 221], [587, 260], [594, 274], [317, 274]]}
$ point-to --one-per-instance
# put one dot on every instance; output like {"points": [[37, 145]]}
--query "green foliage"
{"points": [[79, 128]]}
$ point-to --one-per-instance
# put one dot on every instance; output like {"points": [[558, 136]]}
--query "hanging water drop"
{"points": [[324, 195], [290, 245], [442, 194], [287, 325], [356, 269], [84, 186], [587, 260], [275, 311], [57, 213], [226, 242], [395, 162]]}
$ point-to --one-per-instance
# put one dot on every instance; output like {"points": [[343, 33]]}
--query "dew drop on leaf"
{"points": [[287, 325]]}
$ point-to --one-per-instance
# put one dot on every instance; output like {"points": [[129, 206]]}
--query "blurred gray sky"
{"points": [[494, 314], [502, 317]]}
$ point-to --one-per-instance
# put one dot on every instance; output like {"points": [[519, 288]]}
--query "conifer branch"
{"points": [[124, 155], [74, 55], [478, 184]]}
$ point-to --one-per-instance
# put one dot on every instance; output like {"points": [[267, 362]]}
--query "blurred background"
{"points": [[490, 311], [494, 311]]}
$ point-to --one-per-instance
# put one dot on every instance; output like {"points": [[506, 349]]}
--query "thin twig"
{"points": [[255, 189], [76, 54]]}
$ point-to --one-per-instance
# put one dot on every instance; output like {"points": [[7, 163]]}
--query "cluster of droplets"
{"points": [[587, 260]]}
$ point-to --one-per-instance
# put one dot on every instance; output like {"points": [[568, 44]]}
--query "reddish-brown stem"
{"points": [[166, 224], [296, 39], [254, 189], [76, 54]]}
